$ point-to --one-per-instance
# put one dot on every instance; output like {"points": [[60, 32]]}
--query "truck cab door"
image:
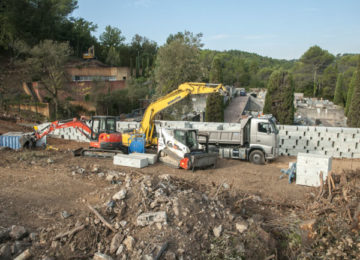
{"points": [[264, 135]]}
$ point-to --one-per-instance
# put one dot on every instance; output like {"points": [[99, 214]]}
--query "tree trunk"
{"points": [[315, 85]]}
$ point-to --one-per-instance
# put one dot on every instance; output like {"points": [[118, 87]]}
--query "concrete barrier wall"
{"points": [[338, 142]]}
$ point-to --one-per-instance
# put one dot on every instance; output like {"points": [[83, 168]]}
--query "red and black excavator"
{"points": [[101, 131]]}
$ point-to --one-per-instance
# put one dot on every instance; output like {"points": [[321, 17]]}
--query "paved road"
{"points": [[235, 109]]}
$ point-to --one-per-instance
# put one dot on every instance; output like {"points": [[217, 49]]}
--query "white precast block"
{"points": [[127, 160], [150, 157], [309, 166]]}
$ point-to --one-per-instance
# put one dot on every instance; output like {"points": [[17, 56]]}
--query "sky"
{"points": [[282, 29]]}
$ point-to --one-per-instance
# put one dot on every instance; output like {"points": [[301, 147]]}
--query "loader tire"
{"points": [[257, 157]]}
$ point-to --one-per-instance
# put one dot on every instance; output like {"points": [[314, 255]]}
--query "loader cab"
{"points": [[187, 137], [102, 124]]}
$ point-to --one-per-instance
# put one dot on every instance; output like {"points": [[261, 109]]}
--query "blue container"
{"points": [[12, 141], [137, 144]]}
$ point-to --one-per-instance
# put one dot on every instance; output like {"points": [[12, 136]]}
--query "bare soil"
{"points": [[36, 186]]}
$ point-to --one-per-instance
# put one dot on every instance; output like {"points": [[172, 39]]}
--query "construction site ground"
{"points": [[37, 185]]}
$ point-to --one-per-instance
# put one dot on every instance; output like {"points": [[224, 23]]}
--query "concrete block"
{"points": [[308, 168], [126, 160], [335, 130], [350, 130], [290, 128], [356, 155], [149, 218], [152, 158]]}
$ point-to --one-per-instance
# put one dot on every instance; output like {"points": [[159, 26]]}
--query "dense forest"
{"points": [[34, 34]]}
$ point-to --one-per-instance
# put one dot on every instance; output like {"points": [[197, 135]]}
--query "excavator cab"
{"points": [[102, 124]]}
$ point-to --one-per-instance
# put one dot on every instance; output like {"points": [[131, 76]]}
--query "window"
{"points": [[124, 78], [264, 127], [188, 138]]}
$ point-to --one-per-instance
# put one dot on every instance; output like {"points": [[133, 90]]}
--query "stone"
{"points": [[33, 236], [17, 232], [176, 206], [100, 256], [65, 214], [95, 168], [170, 255], [123, 223], [126, 160], [4, 234], [129, 242], [120, 250], [24, 255], [151, 217], [152, 158], [116, 242], [241, 226], [5, 251], [55, 244], [120, 195], [19, 246], [50, 161], [217, 231], [226, 186]]}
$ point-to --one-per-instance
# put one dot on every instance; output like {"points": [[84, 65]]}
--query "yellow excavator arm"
{"points": [[184, 90]]}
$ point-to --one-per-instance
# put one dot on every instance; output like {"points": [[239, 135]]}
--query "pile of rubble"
{"points": [[326, 225], [152, 218], [334, 226]]}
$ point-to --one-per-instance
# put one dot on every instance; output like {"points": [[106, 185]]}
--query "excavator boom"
{"points": [[184, 90]]}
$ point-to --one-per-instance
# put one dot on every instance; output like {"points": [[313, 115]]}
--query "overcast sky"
{"points": [[274, 28]]}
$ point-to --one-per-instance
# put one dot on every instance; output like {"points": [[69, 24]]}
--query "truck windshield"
{"points": [[273, 126], [188, 138]]}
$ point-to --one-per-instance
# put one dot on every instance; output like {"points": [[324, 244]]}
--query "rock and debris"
{"points": [[213, 221], [150, 218]]}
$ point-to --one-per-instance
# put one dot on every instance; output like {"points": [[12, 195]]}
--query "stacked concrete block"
{"points": [[130, 161], [152, 158], [69, 133], [330, 141], [309, 166]]}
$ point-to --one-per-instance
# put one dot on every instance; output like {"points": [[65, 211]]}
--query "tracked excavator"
{"points": [[176, 147], [104, 140]]}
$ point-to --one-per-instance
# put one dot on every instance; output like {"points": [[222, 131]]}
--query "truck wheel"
{"points": [[257, 157]]}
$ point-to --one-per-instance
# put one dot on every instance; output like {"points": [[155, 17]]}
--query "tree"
{"points": [[338, 96], [111, 40], [353, 119], [46, 63], [350, 93], [79, 35], [215, 102], [177, 62], [111, 37], [316, 60], [113, 57], [328, 82], [279, 100], [33, 20]]}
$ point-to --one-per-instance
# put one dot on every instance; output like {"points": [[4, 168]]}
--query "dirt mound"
{"points": [[146, 217], [10, 125]]}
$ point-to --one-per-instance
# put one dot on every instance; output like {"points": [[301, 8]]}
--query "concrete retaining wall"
{"points": [[338, 142]]}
